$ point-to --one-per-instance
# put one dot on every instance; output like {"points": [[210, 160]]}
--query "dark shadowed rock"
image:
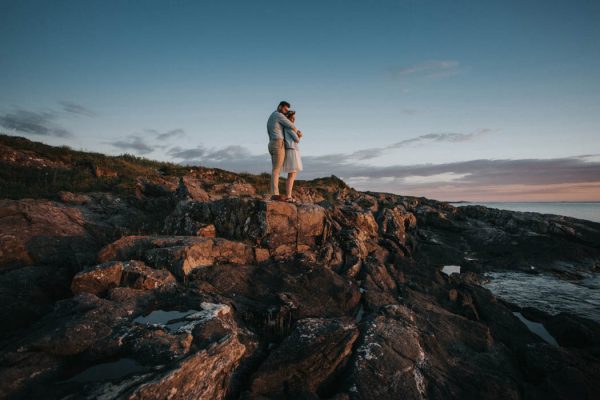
{"points": [[42, 232], [283, 290], [307, 360]]}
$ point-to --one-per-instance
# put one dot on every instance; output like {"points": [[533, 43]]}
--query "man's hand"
{"points": [[299, 133]]}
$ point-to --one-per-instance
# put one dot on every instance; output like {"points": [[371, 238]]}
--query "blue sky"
{"points": [[478, 100]]}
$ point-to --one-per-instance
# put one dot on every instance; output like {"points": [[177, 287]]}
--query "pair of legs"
{"points": [[277, 151]]}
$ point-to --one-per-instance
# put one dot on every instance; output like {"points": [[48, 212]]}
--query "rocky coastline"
{"points": [[195, 285]]}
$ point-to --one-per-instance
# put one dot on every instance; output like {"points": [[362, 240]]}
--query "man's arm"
{"points": [[282, 119]]}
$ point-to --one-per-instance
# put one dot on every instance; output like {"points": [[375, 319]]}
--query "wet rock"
{"points": [[306, 361]]}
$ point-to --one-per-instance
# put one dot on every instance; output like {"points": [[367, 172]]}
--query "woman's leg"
{"points": [[289, 184]]}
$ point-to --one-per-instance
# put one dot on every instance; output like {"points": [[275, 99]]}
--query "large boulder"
{"points": [[276, 295], [308, 360], [282, 228]]}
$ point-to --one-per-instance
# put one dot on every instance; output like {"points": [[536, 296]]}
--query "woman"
{"points": [[293, 162]]}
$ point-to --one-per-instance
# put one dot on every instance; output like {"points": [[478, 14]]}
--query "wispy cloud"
{"points": [[180, 153], [375, 152], [133, 143], [430, 69], [225, 154], [170, 134], [77, 109], [146, 142], [37, 123]]}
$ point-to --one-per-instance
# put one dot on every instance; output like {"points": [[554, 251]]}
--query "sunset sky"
{"points": [[454, 100]]}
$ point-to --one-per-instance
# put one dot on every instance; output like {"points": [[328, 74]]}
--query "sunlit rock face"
{"points": [[197, 285]]}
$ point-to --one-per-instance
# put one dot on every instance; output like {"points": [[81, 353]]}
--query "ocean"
{"points": [[545, 291], [583, 210]]}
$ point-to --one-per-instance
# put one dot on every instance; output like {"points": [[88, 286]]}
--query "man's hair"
{"points": [[284, 103]]}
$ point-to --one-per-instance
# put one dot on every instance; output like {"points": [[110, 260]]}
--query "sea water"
{"points": [[583, 210], [548, 293]]}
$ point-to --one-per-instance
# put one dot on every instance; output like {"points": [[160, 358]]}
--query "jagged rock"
{"points": [[428, 353], [135, 274], [135, 247], [306, 361], [283, 228], [205, 360], [395, 222], [182, 260], [179, 254], [202, 375]]}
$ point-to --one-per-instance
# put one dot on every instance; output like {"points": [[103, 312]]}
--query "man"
{"points": [[275, 125]]}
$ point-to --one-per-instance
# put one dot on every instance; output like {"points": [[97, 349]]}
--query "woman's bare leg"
{"points": [[289, 184]]}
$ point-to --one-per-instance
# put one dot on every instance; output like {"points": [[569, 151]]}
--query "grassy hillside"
{"points": [[37, 170]]}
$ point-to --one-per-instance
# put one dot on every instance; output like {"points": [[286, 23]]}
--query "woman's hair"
{"points": [[290, 113]]}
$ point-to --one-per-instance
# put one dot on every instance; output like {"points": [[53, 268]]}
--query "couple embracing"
{"points": [[284, 150]]}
